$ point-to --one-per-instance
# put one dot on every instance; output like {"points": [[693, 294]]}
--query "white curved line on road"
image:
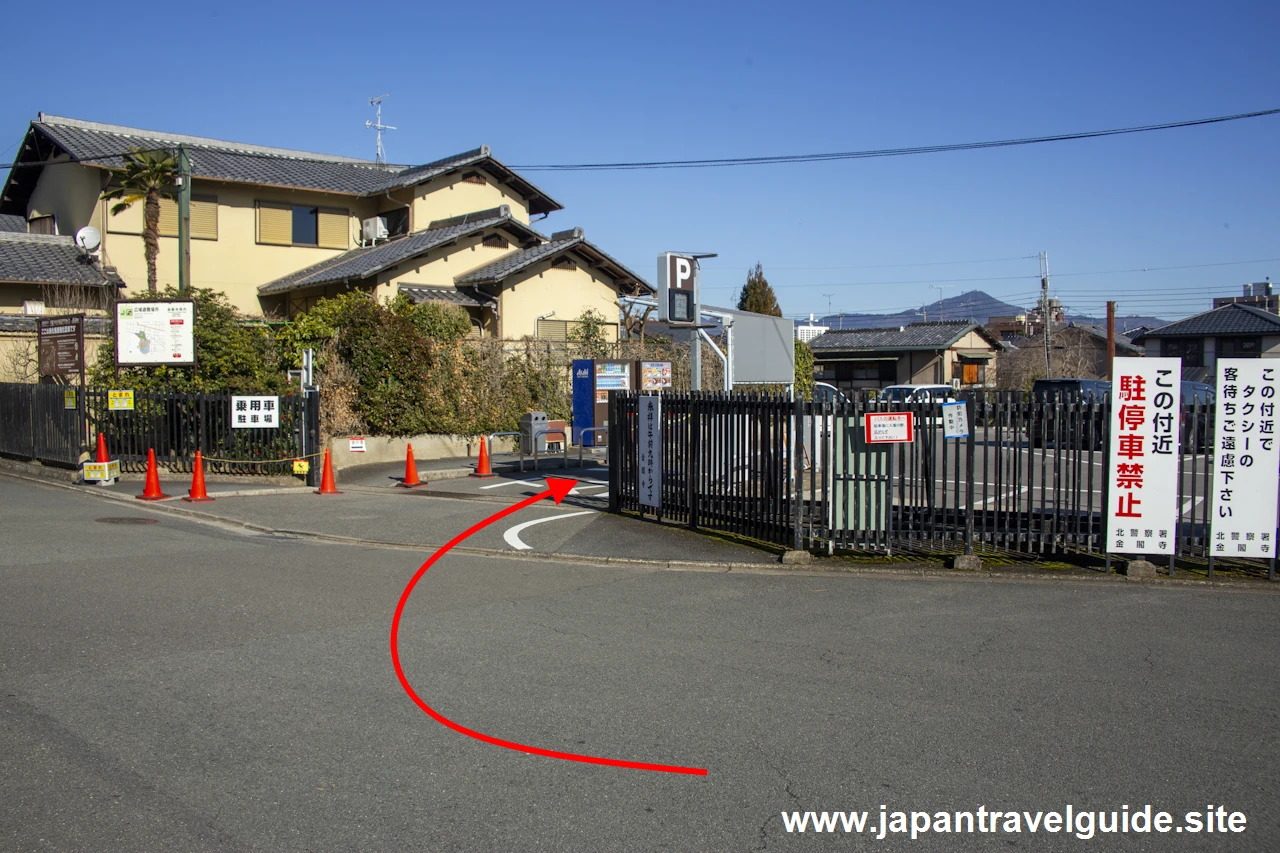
{"points": [[513, 535]]}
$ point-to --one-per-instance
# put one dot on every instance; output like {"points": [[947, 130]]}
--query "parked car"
{"points": [[824, 393], [1050, 394], [917, 394]]}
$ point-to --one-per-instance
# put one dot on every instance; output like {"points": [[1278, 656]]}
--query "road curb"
{"points": [[812, 570]]}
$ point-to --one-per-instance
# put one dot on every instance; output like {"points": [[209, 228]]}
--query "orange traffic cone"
{"points": [[198, 494], [327, 484], [483, 470], [410, 472], [102, 449], [151, 492]]}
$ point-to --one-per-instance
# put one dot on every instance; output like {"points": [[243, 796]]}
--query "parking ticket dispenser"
{"points": [[592, 381]]}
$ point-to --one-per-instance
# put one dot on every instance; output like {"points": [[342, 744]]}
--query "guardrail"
{"points": [[518, 451]]}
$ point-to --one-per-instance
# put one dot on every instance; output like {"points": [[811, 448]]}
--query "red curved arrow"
{"points": [[557, 488]]}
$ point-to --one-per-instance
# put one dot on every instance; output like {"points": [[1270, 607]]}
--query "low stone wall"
{"points": [[381, 448]]}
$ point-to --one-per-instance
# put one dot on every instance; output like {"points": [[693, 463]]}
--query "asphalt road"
{"points": [[181, 686]]}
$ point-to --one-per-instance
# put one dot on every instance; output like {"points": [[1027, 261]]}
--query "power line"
{"points": [[883, 152]]}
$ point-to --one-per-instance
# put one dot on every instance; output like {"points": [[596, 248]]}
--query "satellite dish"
{"points": [[88, 238]]}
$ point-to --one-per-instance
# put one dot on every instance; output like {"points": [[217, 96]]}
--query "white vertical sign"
{"points": [[1246, 458], [1146, 412], [650, 467], [955, 420]]}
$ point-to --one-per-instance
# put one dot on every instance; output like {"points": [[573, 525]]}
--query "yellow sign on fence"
{"points": [[69, 398], [301, 466], [120, 401]]}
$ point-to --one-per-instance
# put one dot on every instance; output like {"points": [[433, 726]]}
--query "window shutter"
{"points": [[168, 217], [553, 330], [275, 224], [204, 217], [334, 229]]}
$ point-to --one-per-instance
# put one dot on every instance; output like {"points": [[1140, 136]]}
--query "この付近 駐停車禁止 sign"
{"points": [[1142, 516], [1246, 459]]}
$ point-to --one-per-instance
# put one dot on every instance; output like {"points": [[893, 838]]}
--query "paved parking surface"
{"points": [[180, 686]]}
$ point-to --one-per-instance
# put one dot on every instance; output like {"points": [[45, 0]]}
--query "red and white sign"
{"points": [[1146, 408], [890, 427], [355, 444]]}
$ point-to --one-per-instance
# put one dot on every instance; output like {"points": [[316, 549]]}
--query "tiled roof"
{"points": [[917, 336], [561, 242], [1122, 342], [12, 224], [104, 145], [27, 323], [359, 264], [467, 296], [46, 259], [1233, 319]]}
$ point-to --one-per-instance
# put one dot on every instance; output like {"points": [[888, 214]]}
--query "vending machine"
{"points": [[592, 381]]}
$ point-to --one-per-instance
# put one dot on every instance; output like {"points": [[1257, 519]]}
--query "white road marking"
{"points": [[513, 535], [509, 483]]}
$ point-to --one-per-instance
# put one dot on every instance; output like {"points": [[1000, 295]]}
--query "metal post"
{"points": [[969, 452], [184, 221], [695, 361], [797, 470]]}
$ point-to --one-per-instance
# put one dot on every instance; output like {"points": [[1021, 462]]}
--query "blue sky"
{"points": [[567, 83]]}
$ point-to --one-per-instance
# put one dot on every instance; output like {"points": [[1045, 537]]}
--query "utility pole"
{"points": [[942, 312], [1044, 312], [1111, 338], [184, 221], [828, 295]]}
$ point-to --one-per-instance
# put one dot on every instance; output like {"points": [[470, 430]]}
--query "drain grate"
{"points": [[127, 520]]}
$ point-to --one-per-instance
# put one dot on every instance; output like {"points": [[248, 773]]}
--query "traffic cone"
{"points": [[198, 494], [482, 470], [327, 484], [410, 472], [102, 449], [151, 492]]}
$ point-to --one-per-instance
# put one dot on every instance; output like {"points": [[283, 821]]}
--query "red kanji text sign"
{"points": [[889, 427], [1142, 513]]}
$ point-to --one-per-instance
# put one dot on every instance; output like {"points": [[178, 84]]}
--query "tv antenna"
{"points": [[828, 295], [379, 126], [942, 311]]}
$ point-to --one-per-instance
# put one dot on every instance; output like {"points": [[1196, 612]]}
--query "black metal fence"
{"points": [[1031, 478], [42, 422]]}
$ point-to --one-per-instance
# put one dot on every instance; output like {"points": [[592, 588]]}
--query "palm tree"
{"points": [[146, 176]]}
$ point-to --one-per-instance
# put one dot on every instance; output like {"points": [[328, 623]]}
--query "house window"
{"points": [[1190, 350], [204, 217], [1238, 348], [397, 221], [42, 225], [969, 373], [303, 225]]}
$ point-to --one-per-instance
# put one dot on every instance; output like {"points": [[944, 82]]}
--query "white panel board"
{"points": [[1145, 425], [1246, 458]]}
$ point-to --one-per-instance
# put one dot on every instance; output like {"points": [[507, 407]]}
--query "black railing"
{"points": [[1031, 478], [40, 422]]}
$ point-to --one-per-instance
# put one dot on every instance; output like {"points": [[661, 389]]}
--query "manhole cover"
{"points": [[123, 520]]}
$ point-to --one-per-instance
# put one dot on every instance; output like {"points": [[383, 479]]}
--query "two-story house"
{"points": [[276, 229]]}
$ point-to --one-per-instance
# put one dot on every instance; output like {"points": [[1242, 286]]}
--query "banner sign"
{"points": [[1146, 411], [255, 412], [1246, 458], [60, 344], [161, 332], [650, 462], [887, 427], [955, 420]]}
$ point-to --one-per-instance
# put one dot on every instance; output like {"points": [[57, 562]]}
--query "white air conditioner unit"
{"points": [[32, 306], [375, 228]]}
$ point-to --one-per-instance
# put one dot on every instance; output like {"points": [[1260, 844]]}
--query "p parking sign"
{"points": [[678, 299]]}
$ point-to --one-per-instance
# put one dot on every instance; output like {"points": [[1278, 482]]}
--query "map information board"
{"points": [[160, 332]]}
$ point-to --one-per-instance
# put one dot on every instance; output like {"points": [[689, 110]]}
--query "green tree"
{"points": [[146, 176], [757, 295], [588, 330], [804, 370]]}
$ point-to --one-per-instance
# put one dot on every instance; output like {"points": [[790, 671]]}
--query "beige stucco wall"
{"points": [[236, 263], [18, 355], [449, 195], [69, 192], [542, 289], [439, 267]]}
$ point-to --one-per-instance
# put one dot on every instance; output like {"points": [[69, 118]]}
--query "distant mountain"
{"points": [[976, 305]]}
